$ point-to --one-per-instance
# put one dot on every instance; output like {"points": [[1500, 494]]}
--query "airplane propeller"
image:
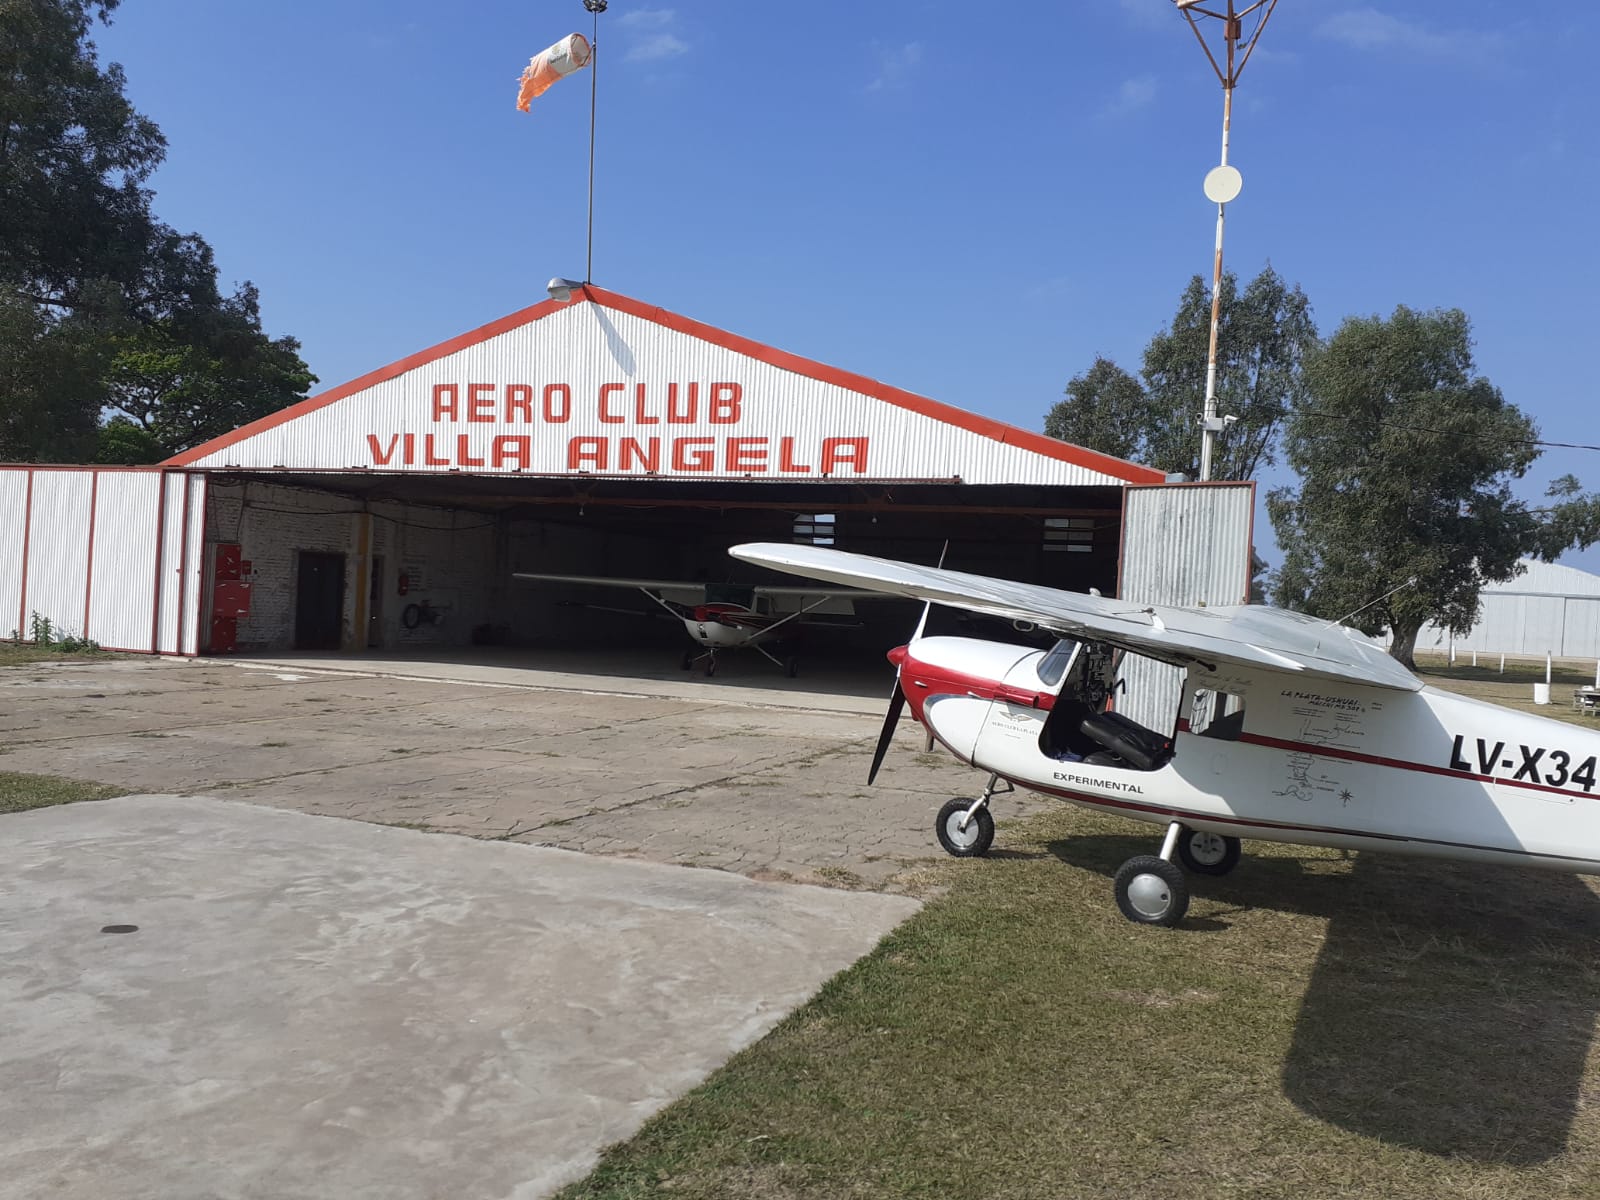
{"points": [[897, 698]]}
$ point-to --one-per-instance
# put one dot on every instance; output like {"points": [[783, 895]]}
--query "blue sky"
{"points": [[964, 201]]}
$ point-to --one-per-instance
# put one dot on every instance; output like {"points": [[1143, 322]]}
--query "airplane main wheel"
{"points": [[791, 666], [1151, 891], [688, 660], [970, 842], [1208, 853]]}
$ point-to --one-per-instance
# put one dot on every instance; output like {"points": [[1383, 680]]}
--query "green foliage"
{"points": [[101, 304], [1405, 455], [50, 380], [124, 444], [185, 382], [1104, 410], [1263, 337], [1573, 521], [45, 634]]}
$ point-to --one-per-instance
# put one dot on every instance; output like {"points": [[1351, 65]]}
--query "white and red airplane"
{"points": [[731, 616], [1289, 729]]}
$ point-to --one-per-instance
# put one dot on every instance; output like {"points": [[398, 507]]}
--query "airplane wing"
{"points": [[1250, 636], [653, 585]]}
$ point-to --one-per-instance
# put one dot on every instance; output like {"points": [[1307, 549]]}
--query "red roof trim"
{"points": [[999, 431]]}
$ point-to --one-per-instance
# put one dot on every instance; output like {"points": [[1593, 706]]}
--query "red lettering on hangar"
{"points": [[613, 403], [630, 455], [718, 456]]}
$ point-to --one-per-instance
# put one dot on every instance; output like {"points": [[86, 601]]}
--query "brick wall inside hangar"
{"points": [[447, 557]]}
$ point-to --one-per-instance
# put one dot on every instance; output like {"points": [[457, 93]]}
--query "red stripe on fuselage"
{"points": [[1377, 760]]}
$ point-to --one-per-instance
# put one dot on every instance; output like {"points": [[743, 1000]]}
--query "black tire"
{"points": [[791, 666], [1207, 853], [711, 665], [411, 616], [1151, 891], [688, 660], [977, 837]]}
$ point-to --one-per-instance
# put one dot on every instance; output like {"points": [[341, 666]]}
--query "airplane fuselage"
{"points": [[726, 626], [1303, 761]]}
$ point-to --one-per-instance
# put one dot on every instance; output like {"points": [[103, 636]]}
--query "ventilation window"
{"points": [[1069, 535], [815, 530], [1217, 715]]}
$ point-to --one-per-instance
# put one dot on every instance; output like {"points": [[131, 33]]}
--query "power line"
{"points": [[1327, 416]]}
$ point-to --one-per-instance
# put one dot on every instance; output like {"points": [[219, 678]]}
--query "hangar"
{"points": [[601, 436]]}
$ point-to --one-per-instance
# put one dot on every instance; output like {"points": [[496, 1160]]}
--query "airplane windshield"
{"points": [[730, 593], [1053, 666]]}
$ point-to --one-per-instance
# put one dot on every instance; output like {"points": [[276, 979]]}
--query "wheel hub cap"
{"points": [[958, 835], [1149, 895], [1207, 848]]}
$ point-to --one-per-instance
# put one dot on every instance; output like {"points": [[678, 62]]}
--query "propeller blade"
{"points": [[890, 720], [927, 607]]}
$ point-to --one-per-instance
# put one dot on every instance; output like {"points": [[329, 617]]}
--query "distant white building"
{"points": [[1548, 609]]}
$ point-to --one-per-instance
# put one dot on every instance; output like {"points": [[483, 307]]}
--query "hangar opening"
{"points": [[432, 561]]}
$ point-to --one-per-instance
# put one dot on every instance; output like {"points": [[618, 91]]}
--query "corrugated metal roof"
{"points": [[608, 386], [1548, 579]]}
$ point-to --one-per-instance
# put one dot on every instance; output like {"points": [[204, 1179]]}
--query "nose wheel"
{"points": [[965, 828]]}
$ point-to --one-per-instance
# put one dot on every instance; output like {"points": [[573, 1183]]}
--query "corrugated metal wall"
{"points": [[123, 579], [112, 555], [1186, 544], [15, 494]]}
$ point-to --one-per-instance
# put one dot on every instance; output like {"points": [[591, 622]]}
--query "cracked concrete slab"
{"points": [[748, 778], [319, 1008]]}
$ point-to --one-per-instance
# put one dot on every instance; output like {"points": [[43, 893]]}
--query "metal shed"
{"points": [[1548, 609]]}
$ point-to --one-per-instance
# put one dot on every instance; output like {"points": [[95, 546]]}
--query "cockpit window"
{"points": [[1053, 666]]}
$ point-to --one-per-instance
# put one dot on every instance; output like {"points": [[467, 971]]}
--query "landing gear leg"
{"points": [[1151, 890], [965, 828]]}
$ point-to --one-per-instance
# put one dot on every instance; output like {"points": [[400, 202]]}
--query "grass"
{"points": [[19, 793], [1324, 1024]]}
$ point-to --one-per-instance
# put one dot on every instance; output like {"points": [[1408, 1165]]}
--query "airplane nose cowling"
{"points": [[898, 656]]}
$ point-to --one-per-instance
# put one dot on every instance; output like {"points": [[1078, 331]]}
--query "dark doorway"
{"points": [[375, 604], [319, 601]]}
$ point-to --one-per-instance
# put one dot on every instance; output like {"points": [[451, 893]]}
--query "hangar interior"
{"points": [[335, 562]]}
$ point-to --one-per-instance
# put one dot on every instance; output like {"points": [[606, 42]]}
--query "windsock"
{"points": [[570, 54]]}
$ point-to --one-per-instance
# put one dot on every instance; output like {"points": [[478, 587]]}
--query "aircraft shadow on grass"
{"points": [[1451, 1006]]}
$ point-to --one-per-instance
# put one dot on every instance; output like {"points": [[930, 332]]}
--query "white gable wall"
{"points": [[593, 389]]}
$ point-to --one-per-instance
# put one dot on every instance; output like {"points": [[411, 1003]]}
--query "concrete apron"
{"points": [[314, 1007]]}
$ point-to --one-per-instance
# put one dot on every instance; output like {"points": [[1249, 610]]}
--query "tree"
{"points": [[1104, 410], [183, 382], [91, 280], [1405, 456], [50, 383], [1263, 338]]}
